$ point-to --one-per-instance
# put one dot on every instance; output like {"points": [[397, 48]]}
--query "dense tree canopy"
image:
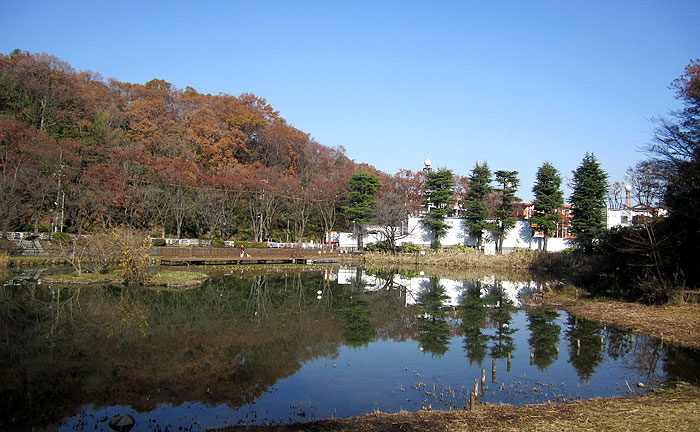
{"points": [[151, 156]]}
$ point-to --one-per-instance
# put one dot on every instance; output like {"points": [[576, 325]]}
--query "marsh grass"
{"points": [[470, 258]]}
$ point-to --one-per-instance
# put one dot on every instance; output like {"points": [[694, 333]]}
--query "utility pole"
{"points": [[58, 195]]}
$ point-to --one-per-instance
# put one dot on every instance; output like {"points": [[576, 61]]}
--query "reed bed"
{"points": [[519, 259]]}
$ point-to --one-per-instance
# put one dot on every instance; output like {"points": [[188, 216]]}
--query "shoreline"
{"points": [[674, 324], [672, 409]]}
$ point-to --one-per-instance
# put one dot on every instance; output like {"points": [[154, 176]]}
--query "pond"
{"points": [[283, 346]]}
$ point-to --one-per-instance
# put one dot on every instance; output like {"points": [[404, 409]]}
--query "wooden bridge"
{"points": [[210, 255]]}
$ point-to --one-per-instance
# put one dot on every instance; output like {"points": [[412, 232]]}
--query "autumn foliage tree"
{"points": [[158, 158]]}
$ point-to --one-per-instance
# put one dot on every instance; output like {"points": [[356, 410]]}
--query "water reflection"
{"points": [[473, 314], [434, 329], [502, 308], [357, 327], [257, 348], [586, 345], [544, 336]]}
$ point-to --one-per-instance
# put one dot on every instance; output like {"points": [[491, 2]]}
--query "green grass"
{"points": [[173, 278], [113, 277], [169, 278]]}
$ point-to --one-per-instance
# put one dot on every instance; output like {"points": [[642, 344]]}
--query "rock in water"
{"points": [[122, 423]]}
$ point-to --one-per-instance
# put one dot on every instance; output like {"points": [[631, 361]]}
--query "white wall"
{"points": [[519, 237]]}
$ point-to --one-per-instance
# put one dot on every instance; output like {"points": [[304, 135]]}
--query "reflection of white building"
{"points": [[416, 286]]}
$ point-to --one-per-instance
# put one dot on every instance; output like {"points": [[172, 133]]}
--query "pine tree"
{"points": [[439, 197], [548, 200], [477, 212], [362, 189], [503, 213], [590, 186]]}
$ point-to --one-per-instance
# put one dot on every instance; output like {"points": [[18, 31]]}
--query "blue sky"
{"points": [[394, 82]]}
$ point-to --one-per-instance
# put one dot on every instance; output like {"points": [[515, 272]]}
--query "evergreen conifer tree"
{"points": [[439, 196], [477, 211], [362, 190], [590, 186], [503, 213], [548, 200]]}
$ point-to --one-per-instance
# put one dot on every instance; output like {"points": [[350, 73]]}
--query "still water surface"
{"points": [[283, 347]]}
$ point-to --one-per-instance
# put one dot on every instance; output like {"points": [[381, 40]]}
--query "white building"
{"points": [[522, 236]]}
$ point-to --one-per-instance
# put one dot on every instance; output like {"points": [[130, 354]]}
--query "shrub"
{"points": [[411, 248], [7, 245], [251, 244], [218, 243], [60, 237], [641, 263], [572, 250], [380, 246], [134, 246], [158, 242]]}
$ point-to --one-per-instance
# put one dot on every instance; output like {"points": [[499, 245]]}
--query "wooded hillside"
{"points": [[151, 156]]}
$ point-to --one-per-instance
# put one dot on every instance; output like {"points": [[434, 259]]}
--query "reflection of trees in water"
{"points": [[91, 345], [682, 364], [619, 343], [387, 303], [502, 308], [544, 335], [434, 329], [645, 355], [357, 327], [473, 314], [586, 358]]}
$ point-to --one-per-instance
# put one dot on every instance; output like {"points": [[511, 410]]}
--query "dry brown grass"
{"points": [[470, 258], [679, 324], [677, 410]]}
